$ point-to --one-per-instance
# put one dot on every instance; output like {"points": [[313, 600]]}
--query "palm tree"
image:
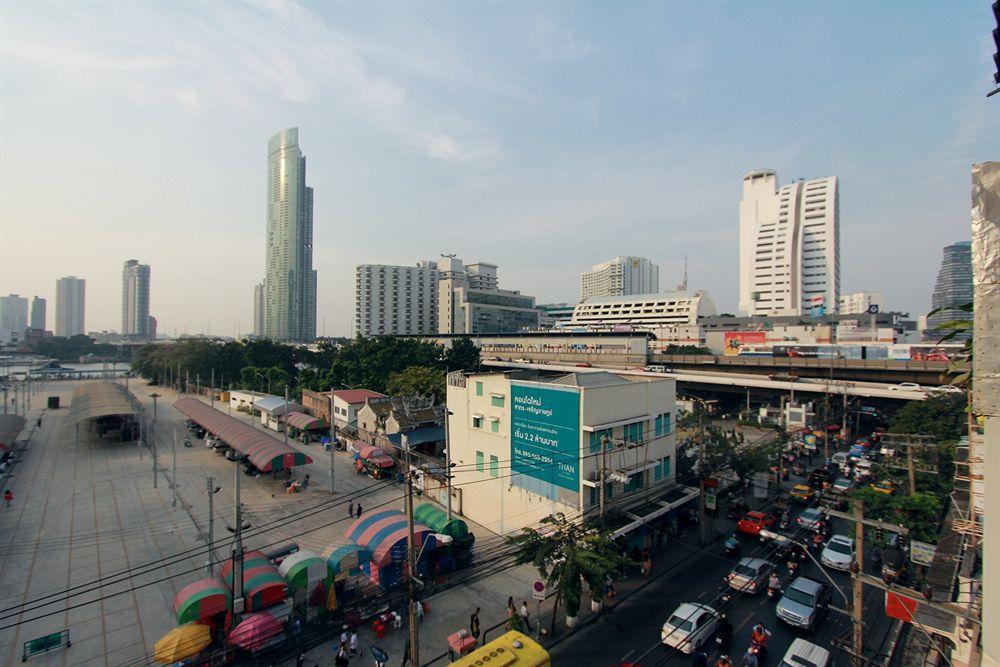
{"points": [[566, 554]]}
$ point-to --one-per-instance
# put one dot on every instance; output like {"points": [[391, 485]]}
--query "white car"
{"points": [[838, 553], [947, 389], [805, 654], [810, 518], [842, 485], [905, 386], [690, 626]]}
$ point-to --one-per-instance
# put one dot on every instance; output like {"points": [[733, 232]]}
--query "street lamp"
{"points": [[154, 396]]}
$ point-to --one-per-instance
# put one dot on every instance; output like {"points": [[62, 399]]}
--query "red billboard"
{"points": [[900, 607], [737, 339]]}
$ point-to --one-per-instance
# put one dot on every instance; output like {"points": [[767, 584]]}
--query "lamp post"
{"points": [[154, 396]]}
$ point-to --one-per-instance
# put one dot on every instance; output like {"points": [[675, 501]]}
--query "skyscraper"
{"points": [[70, 292], [789, 245], [135, 299], [13, 318], [259, 317], [953, 288], [38, 313], [290, 281], [621, 276]]}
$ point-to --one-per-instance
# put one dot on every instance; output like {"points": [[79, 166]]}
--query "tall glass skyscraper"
{"points": [[953, 288], [135, 299], [290, 281]]}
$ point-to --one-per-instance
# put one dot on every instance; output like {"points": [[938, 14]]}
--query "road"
{"points": [[631, 631]]}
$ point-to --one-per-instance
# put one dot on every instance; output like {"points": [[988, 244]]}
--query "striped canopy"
{"points": [[347, 559], [266, 453], [370, 451], [379, 532], [201, 600], [303, 569], [251, 559]]}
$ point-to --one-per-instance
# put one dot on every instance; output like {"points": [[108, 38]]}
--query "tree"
{"points": [[420, 380], [942, 417], [463, 355], [566, 554], [919, 513]]}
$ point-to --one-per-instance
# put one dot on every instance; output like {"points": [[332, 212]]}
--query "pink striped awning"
{"points": [[379, 532]]}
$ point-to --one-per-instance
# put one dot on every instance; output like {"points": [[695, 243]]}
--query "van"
{"points": [[840, 458]]}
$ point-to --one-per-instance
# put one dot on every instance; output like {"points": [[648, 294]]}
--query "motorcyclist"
{"points": [[774, 583], [750, 658], [723, 661], [759, 638], [786, 519], [724, 631]]}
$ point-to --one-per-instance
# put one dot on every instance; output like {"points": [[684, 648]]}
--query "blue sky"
{"points": [[541, 137]]}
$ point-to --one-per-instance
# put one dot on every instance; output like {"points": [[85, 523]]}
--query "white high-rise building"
{"points": [[13, 318], [135, 299], [396, 299], [38, 313], [621, 276], [861, 302], [789, 246], [259, 311], [470, 301], [70, 293]]}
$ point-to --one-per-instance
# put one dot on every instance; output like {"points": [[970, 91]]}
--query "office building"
{"points": [[135, 299], [259, 316], [396, 299], [555, 315], [290, 280], [470, 301], [525, 444], [861, 302], [621, 276], [13, 318], [644, 311], [789, 246], [38, 313], [953, 288], [70, 293]]}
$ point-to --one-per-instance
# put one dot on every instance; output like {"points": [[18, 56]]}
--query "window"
{"points": [[662, 424], [494, 466], [477, 421], [596, 437], [496, 400], [665, 467], [495, 425], [479, 388], [479, 461], [634, 432]]}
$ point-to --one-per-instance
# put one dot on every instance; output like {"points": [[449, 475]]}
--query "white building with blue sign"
{"points": [[526, 444]]}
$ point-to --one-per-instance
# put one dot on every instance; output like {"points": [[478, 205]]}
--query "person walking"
{"points": [[474, 625], [647, 563], [342, 659], [7, 498], [353, 646], [359, 510], [300, 661], [524, 615], [511, 610], [350, 510]]}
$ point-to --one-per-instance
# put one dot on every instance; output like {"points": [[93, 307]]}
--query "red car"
{"points": [[753, 522]]}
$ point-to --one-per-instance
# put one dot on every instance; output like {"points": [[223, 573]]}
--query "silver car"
{"points": [[750, 575], [804, 603]]}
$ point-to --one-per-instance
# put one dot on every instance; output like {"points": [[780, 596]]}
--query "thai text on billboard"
{"points": [[545, 434], [734, 340]]}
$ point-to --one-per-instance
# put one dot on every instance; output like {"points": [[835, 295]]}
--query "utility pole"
{"points": [[173, 470], [604, 472], [210, 486], [285, 429], [702, 520], [333, 440], [411, 563], [211, 391], [154, 396], [447, 459], [237, 551], [857, 604], [911, 473]]}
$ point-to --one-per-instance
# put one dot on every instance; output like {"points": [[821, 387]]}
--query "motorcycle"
{"points": [[786, 521], [723, 634], [187, 442], [773, 591], [732, 547]]}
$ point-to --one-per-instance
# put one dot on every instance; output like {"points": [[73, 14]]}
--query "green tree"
{"points": [[566, 554], [943, 417], [463, 355], [919, 513], [418, 380]]}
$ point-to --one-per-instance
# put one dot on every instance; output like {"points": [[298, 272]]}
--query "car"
{"points": [[840, 458], [905, 386], [782, 377], [584, 364], [655, 368], [832, 501], [810, 518], [886, 486], [753, 522], [838, 553], [750, 575], [804, 603], [863, 469], [842, 485], [947, 389], [689, 627], [818, 476], [805, 654], [802, 493]]}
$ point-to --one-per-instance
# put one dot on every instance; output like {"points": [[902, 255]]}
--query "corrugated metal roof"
{"points": [[276, 405], [100, 399], [304, 422], [10, 428], [596, 379]]}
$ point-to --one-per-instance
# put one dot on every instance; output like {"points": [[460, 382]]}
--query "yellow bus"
{"points": [[510, 650]]}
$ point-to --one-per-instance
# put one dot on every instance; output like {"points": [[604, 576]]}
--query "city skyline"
{"points": [[479, 121]]}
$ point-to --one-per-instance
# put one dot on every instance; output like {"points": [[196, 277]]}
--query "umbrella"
{"points": [[182, 642], [255, 630]]}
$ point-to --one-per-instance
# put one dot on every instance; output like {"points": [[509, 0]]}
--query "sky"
{"points": [[543, 137]]}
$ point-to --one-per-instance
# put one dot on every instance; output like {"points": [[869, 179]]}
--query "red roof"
{"points": [[355, 396]]}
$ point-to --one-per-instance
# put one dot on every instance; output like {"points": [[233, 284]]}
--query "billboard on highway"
{"points": [[545, 433], [734, 340]]}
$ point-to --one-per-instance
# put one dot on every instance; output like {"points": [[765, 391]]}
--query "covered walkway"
{"points": [[10, 428], [263, 451], [100, 399]]}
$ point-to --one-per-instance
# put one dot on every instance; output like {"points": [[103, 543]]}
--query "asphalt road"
{"points": [[631, 631]]}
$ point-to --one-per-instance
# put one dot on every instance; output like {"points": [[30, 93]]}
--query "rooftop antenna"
{"points": [[684, 285]]}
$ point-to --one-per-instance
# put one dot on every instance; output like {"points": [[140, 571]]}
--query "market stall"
{"points": [[201, 601]]}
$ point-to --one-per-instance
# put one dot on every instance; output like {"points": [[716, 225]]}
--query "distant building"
{"points": [[382, 422], [953, 288], [554, 315], [38, 313], [861, 302], [135, 300], [152, 328], [789, 246], [646, 312], [13, 318], [259, 312], [346, 403], [290, 280], [621, 276], [470, 301], [70, 297], [396, 299]]}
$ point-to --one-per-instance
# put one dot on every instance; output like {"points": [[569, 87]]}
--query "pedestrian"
{"points": [[297, 629], [342, 659], [750, 658], [647, 563], [511, 610], [344, 637], [300, 661], [38, 422], [7, 497], [353, 646], [359, 510], [524, 615], [609, 587], [406, 652], [350, 510], [474, 624]]}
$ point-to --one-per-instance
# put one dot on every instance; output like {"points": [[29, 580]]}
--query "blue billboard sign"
{"points": [[545, 434]]}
